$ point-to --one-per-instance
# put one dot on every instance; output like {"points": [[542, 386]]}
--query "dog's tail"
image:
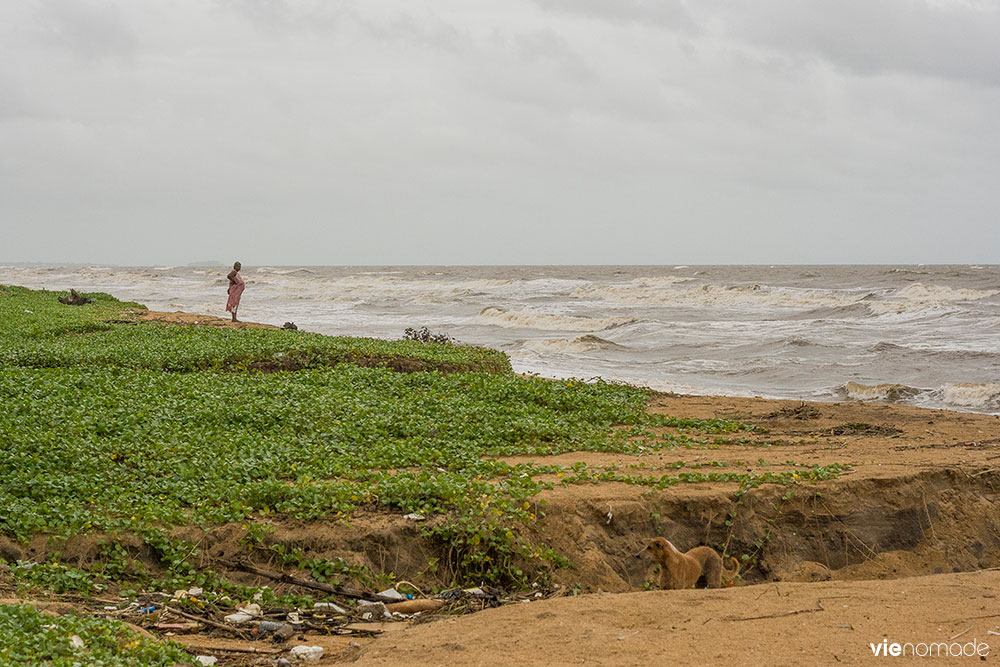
{"points": [[731, 574]]}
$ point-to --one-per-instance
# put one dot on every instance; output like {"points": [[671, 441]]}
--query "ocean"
{"points": [[918, 335]]}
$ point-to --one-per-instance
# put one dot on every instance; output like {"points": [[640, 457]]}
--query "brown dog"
{"points": [[685, 570]]}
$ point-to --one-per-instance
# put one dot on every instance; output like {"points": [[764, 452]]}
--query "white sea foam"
{"points": [[918, 296], [718, 295], [585, 343], [285, 272], [550, 321], [975, 395], [879, 392], [659, 281]]}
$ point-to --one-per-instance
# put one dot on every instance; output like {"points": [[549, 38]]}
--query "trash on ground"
{"points": [[374, 611], [307, 653], [391, 593]]}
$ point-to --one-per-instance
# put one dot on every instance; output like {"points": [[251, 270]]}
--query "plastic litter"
{"points": [[76, 642], [244, 614], [373, 611], [327, 606], [307, 653], [414, 516], [392, 593], [239, 618], [206, 659], [267, 627]]}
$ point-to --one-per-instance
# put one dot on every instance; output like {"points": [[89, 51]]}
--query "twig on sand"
{"points": [[190, 648], [970, 618], [342, 630], [959, 634], [768, 590], [407, 583], [207, 621], [819, 607], [307, 583]]}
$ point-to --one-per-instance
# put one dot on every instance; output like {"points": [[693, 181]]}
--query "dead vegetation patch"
{"points": [[800, 411], [860, 428]]}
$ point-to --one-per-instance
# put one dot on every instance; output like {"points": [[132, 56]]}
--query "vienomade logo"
{"points": [[968, 649]]}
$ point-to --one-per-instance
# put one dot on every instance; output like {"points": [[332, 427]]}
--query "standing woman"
{"points": [[236, 286]]}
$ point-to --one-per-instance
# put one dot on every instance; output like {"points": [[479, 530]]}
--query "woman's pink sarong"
{"points": [[235, 292]]}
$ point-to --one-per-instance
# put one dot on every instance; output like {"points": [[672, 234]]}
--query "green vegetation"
{"points": [[56, 577], [37, 331], [29, 637], [106, 449]]}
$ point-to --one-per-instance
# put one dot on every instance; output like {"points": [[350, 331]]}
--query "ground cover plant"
{"points": [[124, 429], [29, 637], [37, 331]]}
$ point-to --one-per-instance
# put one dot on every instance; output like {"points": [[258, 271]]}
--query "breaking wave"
{"points": [[585, 343], [919, 296], [974, 395], [879, 392], [530, 320], [638, 293], [853, 311], [659, 281], [285, 272]]}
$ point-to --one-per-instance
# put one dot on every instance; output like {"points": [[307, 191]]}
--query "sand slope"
{"points": [[776, 623]]}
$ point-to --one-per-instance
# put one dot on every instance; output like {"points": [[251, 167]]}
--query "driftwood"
{"points": [[207, 621], [191, 648], [414, 606], [74, 299], [307, 583]]}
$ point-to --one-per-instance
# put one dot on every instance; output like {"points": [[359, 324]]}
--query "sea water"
{"points": [[919, 335]]}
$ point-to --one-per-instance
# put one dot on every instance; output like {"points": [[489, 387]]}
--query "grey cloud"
{"points": [[560, 132], [548, 47], [950, 40], [671, 14], [88, 28]]}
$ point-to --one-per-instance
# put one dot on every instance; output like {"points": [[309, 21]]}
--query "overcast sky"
{"points": [[509, 132]]}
